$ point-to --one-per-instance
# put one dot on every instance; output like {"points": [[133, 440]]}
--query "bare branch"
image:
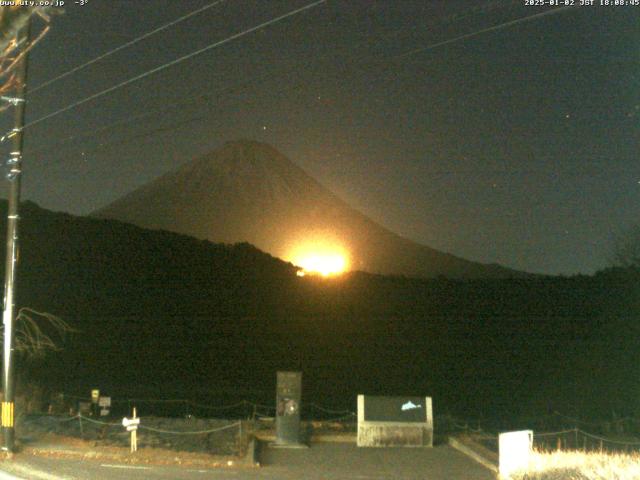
{"points": [[26, 50], [39, 332], [12, 20]]}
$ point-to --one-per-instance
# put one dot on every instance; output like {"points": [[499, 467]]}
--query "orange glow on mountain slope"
{"points": [[325, 265], [320, 257]]}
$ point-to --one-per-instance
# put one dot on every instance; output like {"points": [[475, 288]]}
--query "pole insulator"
{"points": [[15, 101]]}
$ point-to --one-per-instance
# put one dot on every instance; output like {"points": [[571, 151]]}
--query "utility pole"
{"points": [[14, 176]]}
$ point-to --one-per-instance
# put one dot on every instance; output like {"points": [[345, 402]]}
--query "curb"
{"points": [[314, 438], [474, 451], [252, 457], [334, 438]]}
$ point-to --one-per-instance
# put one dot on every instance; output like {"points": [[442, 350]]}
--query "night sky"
{"points": [[517, 146]]}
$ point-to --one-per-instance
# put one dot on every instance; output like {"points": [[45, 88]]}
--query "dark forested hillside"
{"points": [[162, 312]]}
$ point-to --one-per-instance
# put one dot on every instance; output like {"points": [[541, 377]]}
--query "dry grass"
{"points": [[581, 466]]}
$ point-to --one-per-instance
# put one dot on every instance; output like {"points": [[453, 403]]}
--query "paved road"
{"points": [[322, 461], [45, 468], [336, 461]]}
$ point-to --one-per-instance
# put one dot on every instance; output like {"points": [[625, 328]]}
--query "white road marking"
{"points": [[218, 472], [29, 472], [131, 467], [6, 476]]}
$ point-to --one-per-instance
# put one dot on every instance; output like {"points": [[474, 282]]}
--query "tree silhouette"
{"points": [[626, 248]]}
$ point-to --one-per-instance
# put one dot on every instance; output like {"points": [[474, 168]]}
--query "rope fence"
{"points": [[617, 435], [568, 440], [195, 432], [578, 439], [176, 421], [140, 427], [164, 431], [213, 436], [570, 435], [188, 408]]}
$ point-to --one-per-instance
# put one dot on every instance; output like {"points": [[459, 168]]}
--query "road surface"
{"points": [[322, 461]]}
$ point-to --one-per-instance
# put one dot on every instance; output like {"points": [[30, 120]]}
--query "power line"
{"points": [[172, 63], [485, 30], [454, 17], [125, 45], [196, 100], [245, 85], [173, 126], [376, 64]]}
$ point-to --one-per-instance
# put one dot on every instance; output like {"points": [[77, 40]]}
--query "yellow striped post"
{"points": [[7, 414]]}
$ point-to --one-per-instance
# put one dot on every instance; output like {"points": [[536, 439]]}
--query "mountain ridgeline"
{"points": [[249, 192], [168, 315]]}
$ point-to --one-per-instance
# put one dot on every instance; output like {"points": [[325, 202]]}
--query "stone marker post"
{"points": [[288, 396]]}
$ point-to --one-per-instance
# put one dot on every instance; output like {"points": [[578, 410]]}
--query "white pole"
{"points": [[134, 436]]}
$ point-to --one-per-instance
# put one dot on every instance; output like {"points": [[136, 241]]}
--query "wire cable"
{"points": [[586, 434], [328, 410], [173, 62], [123, 46], [484, 30], [219, 407], [199, 100], [608, 440], [553, 434], [375, 64], [208, 98], [195, 432], [98, 422]]}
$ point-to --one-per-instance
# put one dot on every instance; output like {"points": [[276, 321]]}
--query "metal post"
{"points": [[14, 177]]}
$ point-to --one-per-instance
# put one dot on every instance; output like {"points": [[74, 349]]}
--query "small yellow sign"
{"points": [[7, 414]]}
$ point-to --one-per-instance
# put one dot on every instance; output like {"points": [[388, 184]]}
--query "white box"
{"points": [[515, 451]]}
